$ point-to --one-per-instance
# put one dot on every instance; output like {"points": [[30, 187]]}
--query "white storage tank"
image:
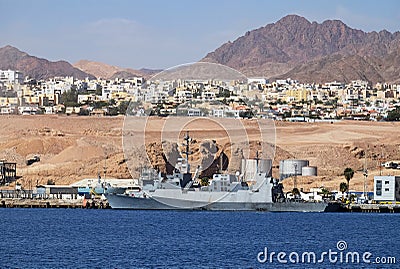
{"points": [[249, 168], [291, 167], [309, 171]]}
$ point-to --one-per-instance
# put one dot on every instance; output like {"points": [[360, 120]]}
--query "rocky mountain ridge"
{"points": [[313, 52], [37, 68]]}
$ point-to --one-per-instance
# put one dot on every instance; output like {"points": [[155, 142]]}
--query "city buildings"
{"points": [[286, 99]]}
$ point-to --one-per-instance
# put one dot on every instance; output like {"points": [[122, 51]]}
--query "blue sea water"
{"points": [[79, 238]]}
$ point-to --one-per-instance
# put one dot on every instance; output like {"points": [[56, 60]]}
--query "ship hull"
{"points": [[118, 201]]}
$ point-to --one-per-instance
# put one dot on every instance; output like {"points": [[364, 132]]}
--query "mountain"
{"points": [[106, 71], [148, 73], [309, 51], [34, 67]]}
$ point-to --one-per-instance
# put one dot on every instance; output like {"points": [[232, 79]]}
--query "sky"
{"points": [[159, 34]]}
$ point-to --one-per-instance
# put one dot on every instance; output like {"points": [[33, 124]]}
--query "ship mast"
{"points": [[187, 152], [257, 159]]}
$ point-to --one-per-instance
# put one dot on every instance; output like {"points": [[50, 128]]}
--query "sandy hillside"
{"points": [[72, 148]]}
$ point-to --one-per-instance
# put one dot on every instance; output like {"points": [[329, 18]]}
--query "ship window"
{"points": [[386, 182], [387, 189]]}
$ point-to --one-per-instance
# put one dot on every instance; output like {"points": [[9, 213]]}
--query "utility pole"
{"points": [[295, 176], [381, 158]]}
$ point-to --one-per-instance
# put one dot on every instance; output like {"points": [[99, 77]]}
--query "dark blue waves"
{"points": [[74, 238]]}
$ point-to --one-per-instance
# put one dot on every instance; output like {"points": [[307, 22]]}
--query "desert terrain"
{"points": [[72, 148]]}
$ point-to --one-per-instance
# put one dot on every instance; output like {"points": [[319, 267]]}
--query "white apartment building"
{"points": [[183, 96], [261, 81], [56, 86], [11, 76], [387, 188], [208, 96]]}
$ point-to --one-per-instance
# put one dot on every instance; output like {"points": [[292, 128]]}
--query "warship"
{"points": [[224, 192]]}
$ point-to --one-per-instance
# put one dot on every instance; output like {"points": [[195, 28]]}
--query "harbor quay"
{"points": [[17, 199], [372, 208], [69, 197], [53, 203], [102, 204]]}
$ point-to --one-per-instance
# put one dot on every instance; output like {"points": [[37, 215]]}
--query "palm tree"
{"points": [[348, 174], [325, 193], [343, 188]]}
